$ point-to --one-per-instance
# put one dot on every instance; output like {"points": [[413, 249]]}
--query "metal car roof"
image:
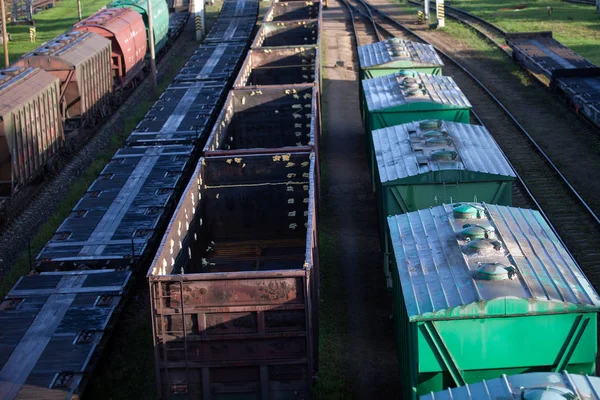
{"points": [[396, 49], [73, 47], [231, 30], [526, 386], [213, 62], [410, 149], [392, 91], [442, 273], [18, 85]]}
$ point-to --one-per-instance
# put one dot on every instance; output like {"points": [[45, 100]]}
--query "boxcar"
{"points": [[160, 18], [480, 290], [420, 165], [122, 213], [393, 55], [31, 129], [82, 62], [270, 120], [288, 33], [541, 54], [294, 10], [234, 285], [183, 114], [280, 66], [535, 385], [411, 96], [127, 33], [213, 62], [54, 326]]}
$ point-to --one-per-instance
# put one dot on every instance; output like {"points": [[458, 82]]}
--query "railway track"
{"points": [[574, 221]]}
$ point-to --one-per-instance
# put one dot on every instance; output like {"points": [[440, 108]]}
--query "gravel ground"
{"points": [[13, 241], [369, 356]]}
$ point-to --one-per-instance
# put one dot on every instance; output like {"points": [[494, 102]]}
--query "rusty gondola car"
{"points": [[31, 129], [234, 285], [82, 62]]}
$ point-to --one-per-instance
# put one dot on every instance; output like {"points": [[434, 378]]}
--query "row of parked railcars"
{"points": [[57, 320], [96, 64], [567, 72], [467, 271], [235, 283]]}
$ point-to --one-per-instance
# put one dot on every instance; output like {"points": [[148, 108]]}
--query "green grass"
{"points": [[576, 26], [49, 24]]}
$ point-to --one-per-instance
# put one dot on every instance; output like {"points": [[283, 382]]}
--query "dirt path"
{"points": [[349, 218]]}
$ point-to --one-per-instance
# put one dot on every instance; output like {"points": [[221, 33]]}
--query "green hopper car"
{"points": [[394, 55], [160, 18], [428, 163], [532, 386], [482, 290], [411, 96]]}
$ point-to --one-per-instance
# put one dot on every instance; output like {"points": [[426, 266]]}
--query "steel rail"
{"points": [[478, 119]]}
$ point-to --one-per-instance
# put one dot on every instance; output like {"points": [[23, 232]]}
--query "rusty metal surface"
{"points": [[213, 62], [31, 129], [122, 212], [288, 33], [272, 119], [290, 11], [82, 61], [253, 324], [126, 30], [279, 66], [182, 115]]}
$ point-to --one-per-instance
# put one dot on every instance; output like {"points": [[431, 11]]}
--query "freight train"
{"points": [[466, 271], [568, 73], [58, 319], [95, 66]]}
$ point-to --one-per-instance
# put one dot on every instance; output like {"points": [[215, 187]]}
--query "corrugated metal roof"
{"points": [[395, 90], [396, 49], [410, 149], [526, 386], [74, 47], [22, 85], [439, 267]]}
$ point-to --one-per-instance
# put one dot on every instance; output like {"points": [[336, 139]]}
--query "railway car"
{"points": [[127, 33], [183, 114], [481, 290], [407, 96], [428, 163], [234, 285], [534, 385], [54, 327], [160, 18], [279, 66], [288, 33], [177, 23], [394, 55], [293, 10], [270, 120], [582, 89], [541, 54], [122, 213], [213, 62], [231, 30], [31, 129], [82, 61], [238, 8]]}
